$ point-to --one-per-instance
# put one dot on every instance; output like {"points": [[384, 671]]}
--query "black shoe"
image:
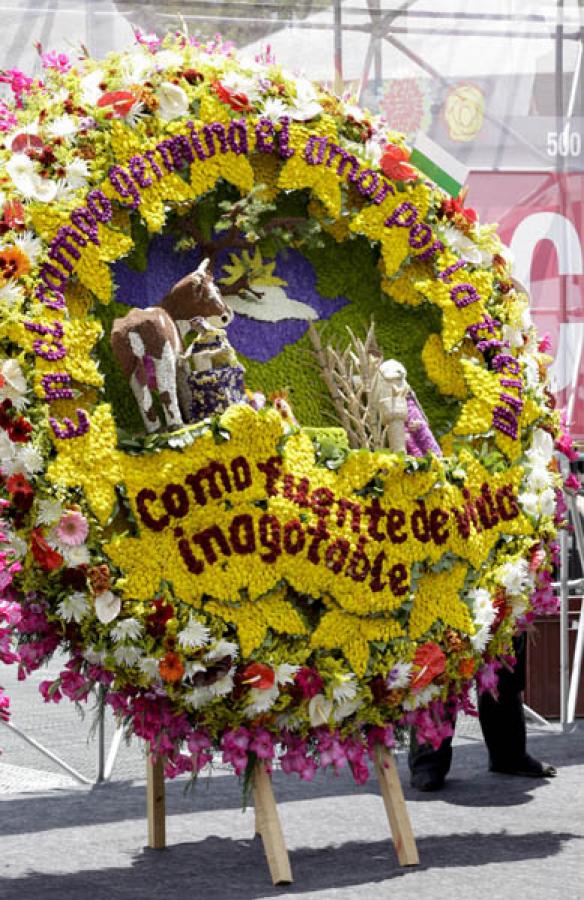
{"points": [[423, 781], [527, 768]]}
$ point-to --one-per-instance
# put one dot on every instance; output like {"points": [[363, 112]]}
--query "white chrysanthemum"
{"points": [[399, 676], [64, 191], [421, 698], [64, 126], [48, 512], [274, 108], [90, 90], [221, 649], [285, 673], [319, 710], [94, 656], [199, 697], [345, 689], [75, 556], [346, 709], [74, 607], [11, 293], [127, 630], [305, 106], [135, 67], [514, 575], [127, 655], [194, 634], [13, 385], [107, 606], [30, 244], [148, 665], [27, 181], [531, 371], [260, 701], [30, 459], [77, 173], [173, 101]]}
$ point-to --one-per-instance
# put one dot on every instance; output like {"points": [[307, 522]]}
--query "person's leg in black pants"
{"points": [[429, 767], [503, 722]]}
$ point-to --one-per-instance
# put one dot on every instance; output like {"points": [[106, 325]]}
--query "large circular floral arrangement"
{"points": [[245, 584]]}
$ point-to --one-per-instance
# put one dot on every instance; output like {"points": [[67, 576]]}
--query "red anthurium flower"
{"points": [[394, 164], [429, 662], [23, 142], [260, 676], [237, 100], [46, 557], [121, 101]]}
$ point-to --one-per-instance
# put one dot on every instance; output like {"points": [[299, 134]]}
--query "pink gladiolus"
{"points": [[19, 83], [545, 344], [487, 679], [572, 483], [564, 445], [262, 744], [49, 695], [8, 120]]}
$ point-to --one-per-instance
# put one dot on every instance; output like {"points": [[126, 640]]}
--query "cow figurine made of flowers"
{"points": [[148, 343]]}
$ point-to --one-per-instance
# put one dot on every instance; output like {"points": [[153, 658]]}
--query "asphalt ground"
{"points": [[484, 836]]}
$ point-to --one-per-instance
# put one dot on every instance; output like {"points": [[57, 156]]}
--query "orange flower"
{"points": [[171, 667], [466, 668], [13, 263]]}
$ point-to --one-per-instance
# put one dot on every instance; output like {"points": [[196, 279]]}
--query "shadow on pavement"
{"points": [[223, 869]]}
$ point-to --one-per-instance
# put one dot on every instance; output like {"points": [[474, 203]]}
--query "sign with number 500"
{"points": [[564, 143]]}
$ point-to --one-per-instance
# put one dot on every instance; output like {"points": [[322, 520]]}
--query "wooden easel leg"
{"points": [[395, 807], [269, 827], [155, 804]]}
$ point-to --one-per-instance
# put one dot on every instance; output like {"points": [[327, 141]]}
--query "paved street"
{"points": [[484, 836]]}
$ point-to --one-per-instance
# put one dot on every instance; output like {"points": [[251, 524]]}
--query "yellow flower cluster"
{"points": [[352, 634], [253, 620], [444, 369]]}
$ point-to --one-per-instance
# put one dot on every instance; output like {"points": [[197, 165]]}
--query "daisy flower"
{"points": [[72, 528], [48, 512], [399, 676], [74, 607]]}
